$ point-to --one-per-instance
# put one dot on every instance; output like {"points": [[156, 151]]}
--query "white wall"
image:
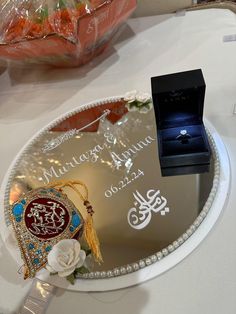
{"points": [[153, 7]]}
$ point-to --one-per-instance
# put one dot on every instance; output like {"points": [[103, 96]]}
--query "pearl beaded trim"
{"points": [[119, 271]]}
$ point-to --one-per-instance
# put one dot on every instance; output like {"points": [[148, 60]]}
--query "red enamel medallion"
{"points": [[46, 218]]}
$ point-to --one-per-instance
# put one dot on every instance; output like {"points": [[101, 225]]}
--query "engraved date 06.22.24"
{"points": [[113, 189]]}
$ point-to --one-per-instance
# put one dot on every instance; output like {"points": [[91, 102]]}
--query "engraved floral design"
{"points": [[66, 258], [137, 101]]}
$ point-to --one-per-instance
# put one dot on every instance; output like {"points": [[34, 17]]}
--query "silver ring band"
{"points": [[183, 135]]}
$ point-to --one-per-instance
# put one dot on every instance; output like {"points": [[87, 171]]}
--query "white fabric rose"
{"points": [[136, 101], [143, 97], [65, 257], [130, 96]]}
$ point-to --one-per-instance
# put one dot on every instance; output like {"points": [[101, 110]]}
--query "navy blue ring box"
{"points": [[178, 102]]}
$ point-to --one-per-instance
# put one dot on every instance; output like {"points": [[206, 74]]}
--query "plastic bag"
{"points": [[59, 32]]}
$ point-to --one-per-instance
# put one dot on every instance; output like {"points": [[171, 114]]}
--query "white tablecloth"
{"points": [[30, 97]]}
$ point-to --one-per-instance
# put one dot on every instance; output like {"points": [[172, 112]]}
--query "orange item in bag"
{"points": [[70, 33]]}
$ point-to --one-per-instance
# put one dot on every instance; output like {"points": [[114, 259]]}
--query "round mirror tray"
{"points": [[146, 223]]}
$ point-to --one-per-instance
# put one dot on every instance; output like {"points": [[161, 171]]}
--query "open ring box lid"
{"points": [[178, 102]]}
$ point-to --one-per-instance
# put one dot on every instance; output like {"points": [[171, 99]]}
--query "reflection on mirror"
{"points": [[114, 152]]}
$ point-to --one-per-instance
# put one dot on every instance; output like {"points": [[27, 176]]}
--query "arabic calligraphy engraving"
{"points": [[46, 218], [140, 215]]}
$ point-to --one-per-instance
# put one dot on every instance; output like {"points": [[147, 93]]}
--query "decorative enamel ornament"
{"points": [[41, 219]]}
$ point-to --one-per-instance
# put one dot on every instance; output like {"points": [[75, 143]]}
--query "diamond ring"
{"points": [[183, 135]]}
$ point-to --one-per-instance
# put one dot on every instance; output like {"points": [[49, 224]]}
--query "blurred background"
{"points": [[153, 7]]}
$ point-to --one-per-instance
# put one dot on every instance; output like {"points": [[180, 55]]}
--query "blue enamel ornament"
{"points": [[18, 210]]}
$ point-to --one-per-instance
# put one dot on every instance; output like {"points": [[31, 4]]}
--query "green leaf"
{"points": [[86, 249], [88, 252], [41, 15], [71, 278], [62, 4], [81, 270], [44, 13], [148, 105], [140, 104]]}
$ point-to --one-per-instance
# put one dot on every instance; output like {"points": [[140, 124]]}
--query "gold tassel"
{"points": [[26, 272], [89, 231], [92, 238]]}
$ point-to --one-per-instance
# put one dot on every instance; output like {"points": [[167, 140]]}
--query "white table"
{"points": [[31, 97]]}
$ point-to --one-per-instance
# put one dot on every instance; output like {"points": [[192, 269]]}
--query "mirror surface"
{"points": [[114, 152]]}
